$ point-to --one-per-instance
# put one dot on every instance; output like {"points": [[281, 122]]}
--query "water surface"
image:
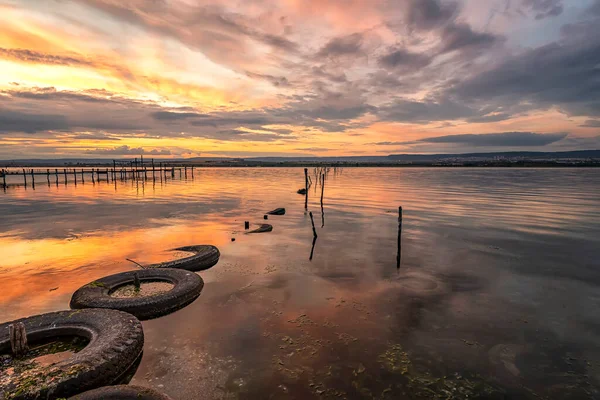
{"points": [[497, 294]]}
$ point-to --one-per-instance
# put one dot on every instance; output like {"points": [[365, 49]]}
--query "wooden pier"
{"points": [[119, 172]]}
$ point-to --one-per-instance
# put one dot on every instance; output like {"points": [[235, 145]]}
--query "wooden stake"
{"points": [[82, 177], [65, 173], [312, 221], [4, 178], [136, 281], [246, 225], [322, 187], [18, 339], [399, 255], [48, 176], [306, 188], [25, 177]]}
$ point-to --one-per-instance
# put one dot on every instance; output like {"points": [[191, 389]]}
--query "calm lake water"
{"points": [[497, 295]]}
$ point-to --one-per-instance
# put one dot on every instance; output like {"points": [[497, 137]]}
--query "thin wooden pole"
{"points": [[93, 181], [32, 179], [48, 176], [399, 255], [4, 178], [56, 175], [312, 221], [65, 173], [306, 189], [322, 187], [25, 177], [82, 177], [246, 225], [75, 176]]}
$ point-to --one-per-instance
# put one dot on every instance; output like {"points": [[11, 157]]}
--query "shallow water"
{"points": [[498, 289]]}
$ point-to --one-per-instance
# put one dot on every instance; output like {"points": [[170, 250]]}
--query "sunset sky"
{"points": [[188, 78]]}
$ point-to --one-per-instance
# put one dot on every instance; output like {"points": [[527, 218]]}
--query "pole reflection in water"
{"points": [[312, 249]]}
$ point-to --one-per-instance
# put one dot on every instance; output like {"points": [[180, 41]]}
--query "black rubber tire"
{"points": [[121, 392], [301, 191], [115, 343], [205, 256], [277, 211], [97, 294], [263, 228]]}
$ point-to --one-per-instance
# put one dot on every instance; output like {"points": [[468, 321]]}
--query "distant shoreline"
{"points": [[482, 164]]}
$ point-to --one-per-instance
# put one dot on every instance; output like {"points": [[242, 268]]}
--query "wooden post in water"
{"points": [[82, 178], [65, 174], [4, 178], [185, 170], [173, 172], [306, 188], [145, 173], [114, 170], [107, 181], [25, 177], [18, 339], [322, 187], [246, 225], [312, 221], [399, 255], [56, 175], [32, 179], [48, 176], [192, 172], [75, 176], [93, 181]]}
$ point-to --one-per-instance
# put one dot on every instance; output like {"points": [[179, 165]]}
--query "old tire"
{"points": [[121, 392], [115, 343], [97, 294], [205, 256]]}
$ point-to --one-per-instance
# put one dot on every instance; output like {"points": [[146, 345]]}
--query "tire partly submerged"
{"points": [[115, 342], [205, 256], [121, 392], [98, 294]]}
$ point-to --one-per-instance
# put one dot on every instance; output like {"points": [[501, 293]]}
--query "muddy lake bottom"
{"points": [[496, 297]]}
